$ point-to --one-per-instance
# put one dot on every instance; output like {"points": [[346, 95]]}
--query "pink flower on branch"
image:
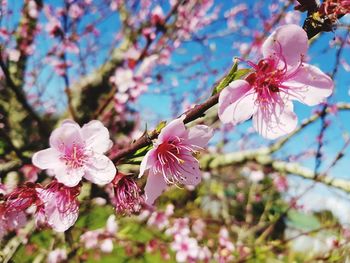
{"points": [[59, 206], [127, 197], [171, 161], [280, 77], [77, 152]]}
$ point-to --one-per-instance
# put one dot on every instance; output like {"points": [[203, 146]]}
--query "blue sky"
{"points": [[321, 56]]}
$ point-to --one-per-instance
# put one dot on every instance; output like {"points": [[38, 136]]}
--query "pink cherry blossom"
{"points": [[77, 152], [126, 197], [171, 161], [59, 206], [280, 77], [10, 219], [13, 210]]}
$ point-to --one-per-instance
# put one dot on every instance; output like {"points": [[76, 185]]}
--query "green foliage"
{"points": [[303, 221], [133, 231], [94, 217], [233, 74]]}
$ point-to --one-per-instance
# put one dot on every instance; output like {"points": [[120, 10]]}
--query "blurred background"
{"points": [[133, 64]]}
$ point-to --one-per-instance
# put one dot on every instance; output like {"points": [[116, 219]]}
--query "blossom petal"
{"points": [[236, 102], [46, 159], [147, 162], [288, 42], [68, 177], [310, 85], [279, 120], [190, 173], [61, 221], [100, 170], [199, 135], [59, 211], [173, 129], [96, 136], [154, 187], [67, 134]]}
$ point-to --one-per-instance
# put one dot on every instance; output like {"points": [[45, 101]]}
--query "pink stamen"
{"points": [[74, 156]]}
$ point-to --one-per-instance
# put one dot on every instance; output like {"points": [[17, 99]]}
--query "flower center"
{"points": [[266, 79], [74, 156], [173, 158], [169, 152]]}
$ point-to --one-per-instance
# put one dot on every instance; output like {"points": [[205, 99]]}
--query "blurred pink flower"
{"points": [[33, 9], [30, 172], [13, 210], [53, 27], [75, 11], [160, 219], [280, 77], [157, 16], [186, 248], [171, 161], [280, 182], [56, 256], [21, 198], [101, 238], [11, 219], [180, 227], [59, 206], [78, 152], [198, 228]]}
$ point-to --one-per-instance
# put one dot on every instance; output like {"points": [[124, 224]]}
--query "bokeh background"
{"points": [[132, 64]]}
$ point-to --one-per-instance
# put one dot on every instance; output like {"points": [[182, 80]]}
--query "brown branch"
{"points": [[191, 115]]}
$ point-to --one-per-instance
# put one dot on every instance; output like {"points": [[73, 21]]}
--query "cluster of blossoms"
{"points": [[226, 247], [188, 238], [186, 247], [193, 16], [130, 86], [75, 153], [101, 238], [79, 152], [133, 79], [55, 206]]}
